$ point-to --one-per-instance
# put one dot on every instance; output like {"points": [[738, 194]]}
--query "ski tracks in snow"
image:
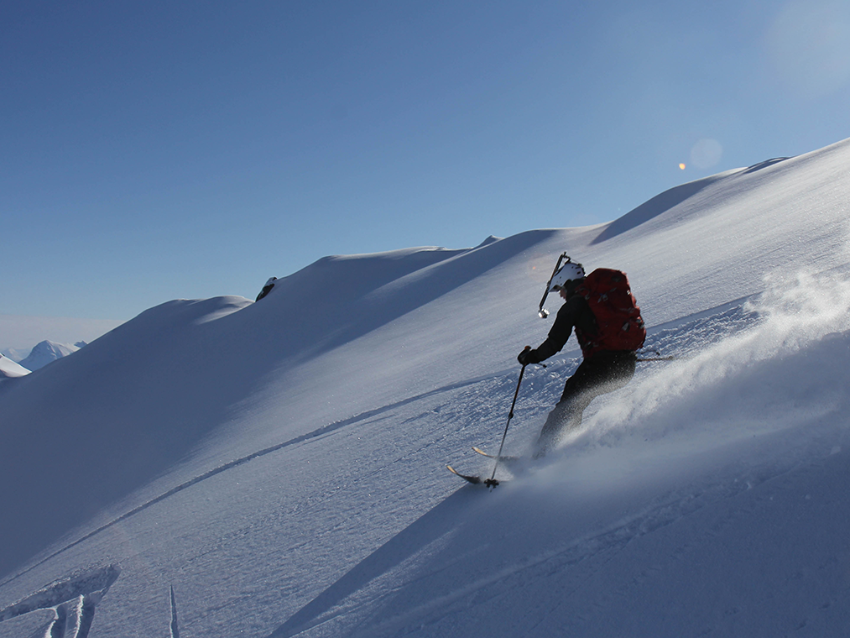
{"points": [[175, 629], [73, 601]]}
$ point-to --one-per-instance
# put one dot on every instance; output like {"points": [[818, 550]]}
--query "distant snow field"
{"points": [[221, 467]]}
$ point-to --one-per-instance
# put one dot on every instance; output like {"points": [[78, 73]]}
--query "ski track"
{"points": [[175, 629], [73, 601]]}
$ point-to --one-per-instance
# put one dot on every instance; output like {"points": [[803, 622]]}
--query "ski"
{"points": [[475, 480], [502, 459]]}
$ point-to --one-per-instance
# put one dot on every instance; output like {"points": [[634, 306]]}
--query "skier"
{"points": [[267, 288], [609, 330]]}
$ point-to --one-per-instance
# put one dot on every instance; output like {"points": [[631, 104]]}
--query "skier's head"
{"points": [[567, 277]]}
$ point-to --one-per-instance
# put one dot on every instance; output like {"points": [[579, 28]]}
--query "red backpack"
{"points": [[618, 321]]}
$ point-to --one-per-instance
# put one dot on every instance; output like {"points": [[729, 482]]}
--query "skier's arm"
{"points": [[558, 335]]}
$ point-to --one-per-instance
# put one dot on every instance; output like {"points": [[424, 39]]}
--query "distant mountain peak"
{"points": [[47, 352]]}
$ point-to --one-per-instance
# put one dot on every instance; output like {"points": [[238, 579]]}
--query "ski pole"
{"points": [[542, 312], [492, 482]]}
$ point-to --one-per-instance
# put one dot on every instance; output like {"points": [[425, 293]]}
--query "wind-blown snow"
{"points": [[221, 467]]}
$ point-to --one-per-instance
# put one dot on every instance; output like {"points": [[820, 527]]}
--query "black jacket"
{"points": [[575, 313]]}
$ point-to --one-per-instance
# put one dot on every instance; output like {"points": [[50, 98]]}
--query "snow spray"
{"points": [[766, 376]]}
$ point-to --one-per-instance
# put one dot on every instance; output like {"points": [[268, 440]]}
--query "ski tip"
{"points": [[475, 480], [454, 471]]}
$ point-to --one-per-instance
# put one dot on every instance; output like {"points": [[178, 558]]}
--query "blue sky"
{"points": [[160, 150]]}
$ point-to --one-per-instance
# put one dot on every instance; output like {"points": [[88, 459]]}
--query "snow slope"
{"points": [[220, 468]]}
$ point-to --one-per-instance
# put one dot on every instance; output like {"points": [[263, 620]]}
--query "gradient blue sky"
{"points": [[158, 150]]}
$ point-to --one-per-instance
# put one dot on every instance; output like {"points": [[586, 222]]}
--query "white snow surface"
{"points": [[226, 468], [10, 369]]}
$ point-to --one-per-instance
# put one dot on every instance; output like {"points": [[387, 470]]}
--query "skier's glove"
{"points": [[528, 356]]}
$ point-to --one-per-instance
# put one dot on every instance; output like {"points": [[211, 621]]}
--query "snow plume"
{"points": [[787, 368], [804, 309]]}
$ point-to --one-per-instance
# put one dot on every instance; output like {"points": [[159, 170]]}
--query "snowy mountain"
{"points": [[284, 472], [47, 352]]}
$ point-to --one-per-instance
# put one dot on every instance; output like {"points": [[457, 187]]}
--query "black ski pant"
{"points": [[599, 374]]}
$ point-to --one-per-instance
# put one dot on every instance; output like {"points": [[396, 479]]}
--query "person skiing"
{"points": [[609, 330]]}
